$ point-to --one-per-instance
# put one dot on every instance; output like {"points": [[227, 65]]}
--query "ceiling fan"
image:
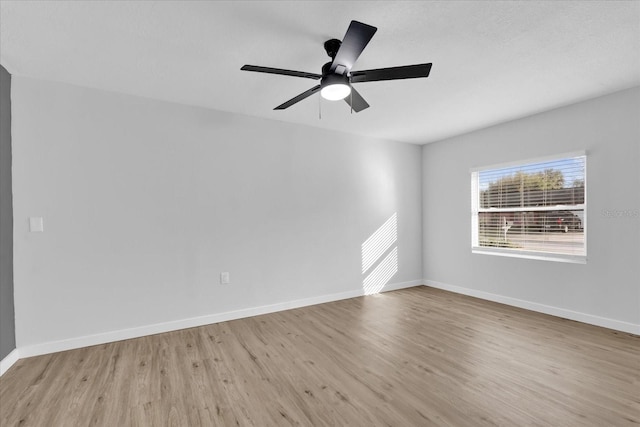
{"points": [[337, 77]]}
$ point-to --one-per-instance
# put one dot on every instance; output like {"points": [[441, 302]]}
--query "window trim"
{"points": [[519, 253]]}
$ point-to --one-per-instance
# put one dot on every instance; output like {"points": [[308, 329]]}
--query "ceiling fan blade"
{"points": [[355, 40], [281, 71], [356, 101], [298, 98], [392, 73]]}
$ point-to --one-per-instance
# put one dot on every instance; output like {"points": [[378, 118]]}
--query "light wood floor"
{"points": [[414, 357]]}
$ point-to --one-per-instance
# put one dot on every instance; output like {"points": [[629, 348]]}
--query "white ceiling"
{"points": [[493, 61]]}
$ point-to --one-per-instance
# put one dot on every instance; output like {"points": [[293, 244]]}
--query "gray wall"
{"points": [[146, 202], [7, 324], [607, 286]]}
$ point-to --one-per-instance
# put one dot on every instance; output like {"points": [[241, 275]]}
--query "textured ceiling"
{"points": [[492, 61]]}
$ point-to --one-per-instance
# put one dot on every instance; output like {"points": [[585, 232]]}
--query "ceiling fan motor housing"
{"points": [[334, 79]]}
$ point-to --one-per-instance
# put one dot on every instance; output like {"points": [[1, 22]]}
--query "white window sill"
{"points": [[543, 256]]}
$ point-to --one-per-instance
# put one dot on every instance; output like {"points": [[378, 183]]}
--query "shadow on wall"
{"points": [[380, 256]]}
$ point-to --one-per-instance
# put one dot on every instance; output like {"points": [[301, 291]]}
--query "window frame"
{"points": [[523, 253]]}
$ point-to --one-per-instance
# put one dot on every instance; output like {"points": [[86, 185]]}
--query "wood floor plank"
{"points": [[418, 356]]}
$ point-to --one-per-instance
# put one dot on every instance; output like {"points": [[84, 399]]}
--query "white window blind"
{"points": [[534, 209]]}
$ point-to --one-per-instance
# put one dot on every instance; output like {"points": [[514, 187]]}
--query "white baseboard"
{"points": [[89, 340], [8, 361], [618, 325]]}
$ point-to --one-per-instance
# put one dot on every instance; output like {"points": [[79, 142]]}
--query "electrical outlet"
{"points": [[36, 225], [225, 279]]}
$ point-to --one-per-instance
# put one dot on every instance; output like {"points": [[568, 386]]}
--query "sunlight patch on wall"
{"points": [[379, 242], [373, 250], [380, 276]]}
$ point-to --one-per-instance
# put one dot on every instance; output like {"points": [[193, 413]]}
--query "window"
{"points": [[535, 209]]}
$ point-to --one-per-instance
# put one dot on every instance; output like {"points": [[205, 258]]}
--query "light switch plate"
{"points": [[36, 224], [224, 278]]}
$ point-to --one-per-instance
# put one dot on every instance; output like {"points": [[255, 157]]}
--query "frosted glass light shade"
{"points": [[335, 92]]}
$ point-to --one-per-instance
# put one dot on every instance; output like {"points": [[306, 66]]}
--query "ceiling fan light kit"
{"points": [[335, 87], [337, 78]]}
